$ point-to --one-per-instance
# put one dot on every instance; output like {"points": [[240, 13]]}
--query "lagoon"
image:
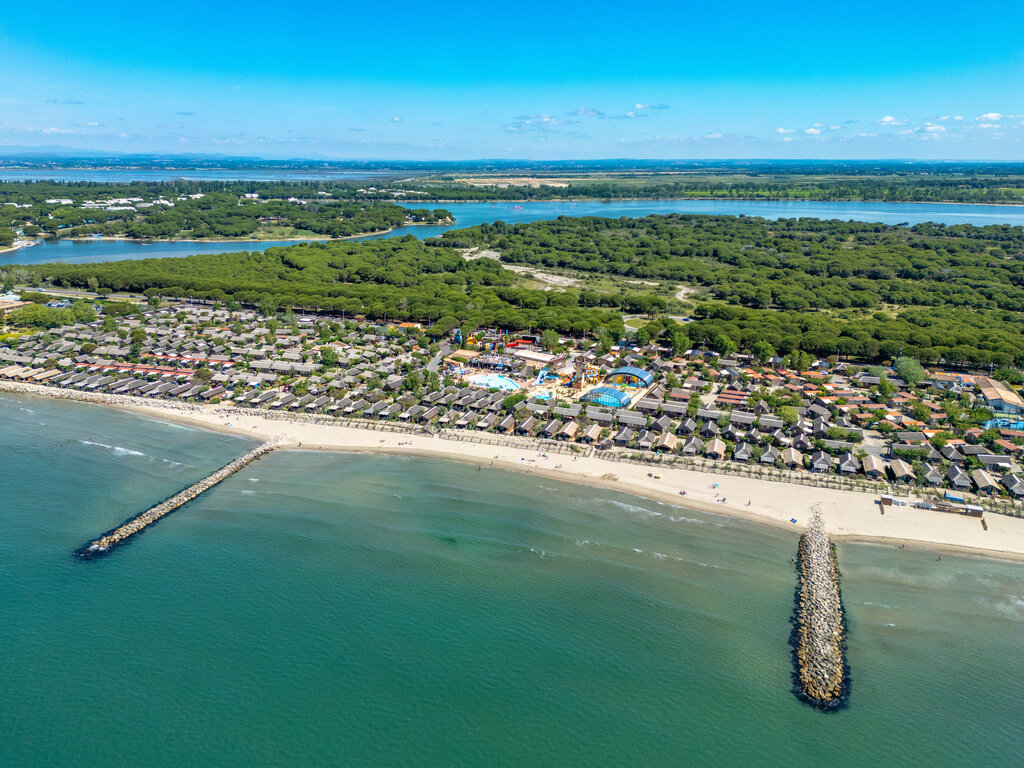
{"points": [[472, 214]]}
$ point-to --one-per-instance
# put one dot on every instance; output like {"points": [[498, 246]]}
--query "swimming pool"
{"points": [[1006, 422], [493, 381]]}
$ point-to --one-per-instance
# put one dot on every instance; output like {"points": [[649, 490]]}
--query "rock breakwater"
{"points": [[105, 543], [819, 638]]}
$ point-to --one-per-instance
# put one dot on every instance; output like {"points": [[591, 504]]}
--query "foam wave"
{"points": [[635, 509], [1014, 608], [681, 519], [117, 449]]}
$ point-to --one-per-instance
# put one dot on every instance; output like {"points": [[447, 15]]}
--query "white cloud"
{"points": [[57, 130], [835, 128], [817, 125], [812, 131], [988, 125], [92, 124], [785, 130], [935, 128], [638, 105], [863, 135], [989, 117], [396, 119], [890, 120], [714, 136], [536, 123], [788, 139], [587, 112]]}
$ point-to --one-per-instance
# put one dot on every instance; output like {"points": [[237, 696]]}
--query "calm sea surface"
{"points": [[353, 610], [471, 214]]}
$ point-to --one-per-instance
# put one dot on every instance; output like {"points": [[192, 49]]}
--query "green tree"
{"points": [[1009, 376], [680, 342], [800, 360], [910, 371], [920, 411], [763, 350], [83, 312], [725, 346], [693, 404], [789, 414], [268, 305], [328, 357]]}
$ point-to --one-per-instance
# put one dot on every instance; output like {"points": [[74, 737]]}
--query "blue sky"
{"points": [[538, 80]]}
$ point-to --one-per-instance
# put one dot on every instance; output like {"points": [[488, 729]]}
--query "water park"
{"points": [[494, 381], [518, 365]]}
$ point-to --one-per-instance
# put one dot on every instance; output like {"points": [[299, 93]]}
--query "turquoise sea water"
{"points": [[472, 214], [333, 609]]}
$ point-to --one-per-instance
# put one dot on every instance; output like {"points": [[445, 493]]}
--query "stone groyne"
{"points": [[105, 543], [819, 636]]}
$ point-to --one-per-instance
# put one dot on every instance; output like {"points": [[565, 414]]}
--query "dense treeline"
{"points": [[953, 293], [967, 184], [868, 291], [170, 211], [399, 279], [917, 189]]}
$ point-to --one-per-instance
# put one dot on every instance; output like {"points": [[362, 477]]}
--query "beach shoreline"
{"points": [[853, 516]]}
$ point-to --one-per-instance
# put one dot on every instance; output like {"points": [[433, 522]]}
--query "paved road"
{"points": [[435, 364]]}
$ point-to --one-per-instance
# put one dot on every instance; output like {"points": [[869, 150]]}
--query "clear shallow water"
{"points": [[341, 609], [494, 380], [471, 214]]}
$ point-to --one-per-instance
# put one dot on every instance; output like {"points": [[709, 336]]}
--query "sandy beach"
{"points": [[848, 515]]}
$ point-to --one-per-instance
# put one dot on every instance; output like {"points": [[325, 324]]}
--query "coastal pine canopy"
{"points": [[868, 291]]}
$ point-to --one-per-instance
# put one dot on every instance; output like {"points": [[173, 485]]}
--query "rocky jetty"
{"points": [[822, 675], [105, 543]]}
